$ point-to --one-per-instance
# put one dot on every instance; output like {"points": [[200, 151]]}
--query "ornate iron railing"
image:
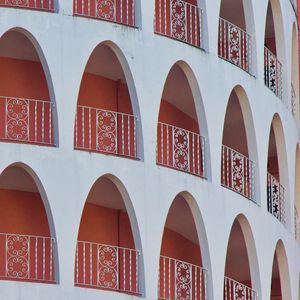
{"points": [[235, 45], [26, 120], [118, 11], [296, 224], [293, 100], [234, 290], [276, 198], [179, 20], [107, 267], [238, 172], [105, 131], [26, 257], [47, 5], [273, 73], [180, 149], [181, 280]]}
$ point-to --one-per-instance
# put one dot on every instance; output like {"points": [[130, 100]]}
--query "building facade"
{"points": [[149, 149]]}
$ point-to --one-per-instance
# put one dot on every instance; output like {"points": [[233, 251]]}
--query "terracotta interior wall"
{"points": [[276, 289], [101, 92], [270, 43]]}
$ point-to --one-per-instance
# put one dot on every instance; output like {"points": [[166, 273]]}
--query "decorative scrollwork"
{"points": [[178, 20], [183, 280], [239, 291], [23, 3], [17, 115], [181, 149], [275, 197], [17, 256], [107, 276], [107, 131], [272, 73], [234, 44], [105, 9], [237, 171]]}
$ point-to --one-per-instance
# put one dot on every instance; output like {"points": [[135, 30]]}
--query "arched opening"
{"points": [[179, 142], [297, 195], [238, 170], [105, 121], [277, 173], [117, 11], [239, 269], [44, 5], [235, 33], [180, 20], [181, 275], [295, 74], [26, 106], [27, 249], [106, 255], [280, 283], [273, 51]]}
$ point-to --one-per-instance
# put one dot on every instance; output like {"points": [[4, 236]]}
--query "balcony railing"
{"points": [[47, 5], [105, 131], [273, 73], [293, 100], [179, 20], [297, 224], [234, 290], [107, 267], [26, 257], [26, 120], [117, 11], [276, 198], [180, 149], [181, 280], [235, 45], [238, 172]]}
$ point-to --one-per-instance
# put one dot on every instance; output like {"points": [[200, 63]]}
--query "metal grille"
{"points": [[234, 290], [47, 5]]}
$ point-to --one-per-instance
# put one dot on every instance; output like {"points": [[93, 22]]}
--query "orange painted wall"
{"points": [[23, 79]]}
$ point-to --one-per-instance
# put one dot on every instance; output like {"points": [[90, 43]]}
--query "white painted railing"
{"points": [[238, 172], [107, 267], [26, 257], [235, 45], [181, 280], [234, 290], [118, 11], [293, 100], [276, 198], [105, 131], [179, 20], [273, 73], [47, 5], [26, 120], [180, 149]]}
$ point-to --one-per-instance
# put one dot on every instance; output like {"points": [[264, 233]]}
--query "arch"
{"points": [[242, 276], [109, 232], [183, 122], [107, 96], [27, 221], [36, 70], [280, 283], [277, 173], [239, 160], [184, 251], [295, 73]]}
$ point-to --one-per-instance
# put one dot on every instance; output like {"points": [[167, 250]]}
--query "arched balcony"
{"points": [[27, 249], [181, 275], [117, 11], [104, 121], [235, 41], [106, 256], [44, 5], [179, 20], [26, 108]]}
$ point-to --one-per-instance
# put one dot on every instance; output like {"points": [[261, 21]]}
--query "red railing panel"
{"points": [[47, 5]]}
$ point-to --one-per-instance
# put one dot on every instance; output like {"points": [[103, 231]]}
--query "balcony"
{"points": [[26, 258], [107, 267], [117, 11], [105, 131], [235, 45], [235, 290], [293, 100], [273, 73], [276, 198], [181, 280], [46, 5], [180, 149], [296, 224], [26, 120], [179, 20], [237, 173]]}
